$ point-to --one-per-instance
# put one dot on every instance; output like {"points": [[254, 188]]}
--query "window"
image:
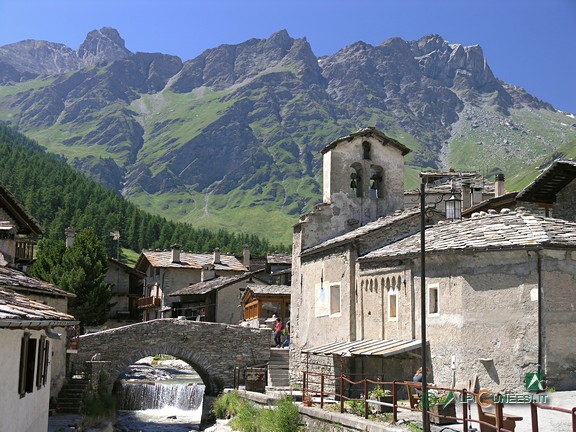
{"points": [[392, 305], [40, 364], [327, 299], [334, 299], [27, 363], [433, 300]]}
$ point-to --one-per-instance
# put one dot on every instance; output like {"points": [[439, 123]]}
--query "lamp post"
{"points": [[453, 211]]}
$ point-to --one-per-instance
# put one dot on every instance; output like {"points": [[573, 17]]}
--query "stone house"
{"points": [[127, 286], [552, 193], [500, 287], [170, 271], [361, 210], [30, 347], [214, 299], [500, 290], [279, 268]]}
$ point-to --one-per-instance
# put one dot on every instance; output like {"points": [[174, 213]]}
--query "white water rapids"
{"points": [[164, 398]]}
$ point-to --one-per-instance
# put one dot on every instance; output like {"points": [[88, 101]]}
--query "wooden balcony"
{"points": [[149, 302], [25, 250]]}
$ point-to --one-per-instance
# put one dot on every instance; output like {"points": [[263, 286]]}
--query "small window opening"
{"points": [[334, 299], [392, 305], [433, 300], [355, 182]]}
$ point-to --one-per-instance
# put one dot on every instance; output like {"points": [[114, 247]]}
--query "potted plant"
{"points": [[381, 395], [441, 406]]}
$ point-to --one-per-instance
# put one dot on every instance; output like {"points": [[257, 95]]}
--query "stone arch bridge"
{"points": [[212, 349]]}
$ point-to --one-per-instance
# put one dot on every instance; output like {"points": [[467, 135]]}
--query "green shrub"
{"points": [[355, 406], [227, 405], [250, 418], [247, 417], [284, 418]]}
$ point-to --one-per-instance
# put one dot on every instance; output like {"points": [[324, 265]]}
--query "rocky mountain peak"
{"points": [[280, 39], [33, 57], [103, 45]]}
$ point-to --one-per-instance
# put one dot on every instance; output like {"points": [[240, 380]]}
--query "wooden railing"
{"points": [[314, 390], [149, 302], [24, 250]]}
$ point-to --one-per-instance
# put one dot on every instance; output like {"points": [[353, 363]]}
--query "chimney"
{"points": [[207, 273], [246, 255], [70, 235], [216, 259], [466, 195], [477, 192], [176, 253], [499, 185]]}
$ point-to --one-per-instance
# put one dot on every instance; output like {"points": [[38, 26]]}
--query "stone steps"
{"points": [[278, 368], [70, 396]]}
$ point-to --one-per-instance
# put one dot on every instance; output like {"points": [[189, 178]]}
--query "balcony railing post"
{"points": [[499, 414], [534, 416], [394, 402], [322, 391], [465, 410], [341, 394], [365, 398]]}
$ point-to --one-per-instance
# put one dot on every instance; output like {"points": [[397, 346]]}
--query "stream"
{"points": [[162, 397]]}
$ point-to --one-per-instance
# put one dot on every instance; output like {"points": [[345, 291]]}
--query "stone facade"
{"points": [[499, 286], [499, 290], [212, 349], [328, 241]]}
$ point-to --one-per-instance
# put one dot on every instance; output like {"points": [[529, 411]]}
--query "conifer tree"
{"points": [[79, 269]]}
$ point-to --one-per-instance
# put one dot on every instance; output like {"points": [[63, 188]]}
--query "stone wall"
{"points": [[559, 318], [565, 205], [212, 349]]}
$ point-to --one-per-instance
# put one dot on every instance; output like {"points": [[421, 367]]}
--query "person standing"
{"points": [[278, 333], [286, 342]]}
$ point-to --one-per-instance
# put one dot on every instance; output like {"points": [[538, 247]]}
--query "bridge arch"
{"points": [[213, 350]]}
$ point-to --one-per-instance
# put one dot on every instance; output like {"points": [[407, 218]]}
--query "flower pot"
{"points": [[440, 410]]}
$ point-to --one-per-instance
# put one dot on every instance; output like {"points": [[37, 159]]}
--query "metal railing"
{"points": [[315, 385]]}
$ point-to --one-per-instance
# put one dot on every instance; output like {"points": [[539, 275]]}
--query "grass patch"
{"points": [[247, 417]]}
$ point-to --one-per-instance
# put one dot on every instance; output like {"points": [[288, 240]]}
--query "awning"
{"points": [[366, 347]]}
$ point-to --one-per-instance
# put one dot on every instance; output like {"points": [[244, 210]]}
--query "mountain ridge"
{"points": [[234, 134]]}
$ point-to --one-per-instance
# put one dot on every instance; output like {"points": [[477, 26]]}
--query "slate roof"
{"points": [[205, 287], [277, 258], [507, 230], [553, 179], [270, 289], [364, 230], [369, 131], [17, 309], [192, 261], [15, 279]]}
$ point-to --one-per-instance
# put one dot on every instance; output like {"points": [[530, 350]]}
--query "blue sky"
{"points": [[530, 43]]}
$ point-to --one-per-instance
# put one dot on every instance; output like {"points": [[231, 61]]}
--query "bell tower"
{"points": [[364, 172], [363, 176]]}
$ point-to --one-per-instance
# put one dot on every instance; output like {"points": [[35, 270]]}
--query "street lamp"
{"points": [[453, 211]]}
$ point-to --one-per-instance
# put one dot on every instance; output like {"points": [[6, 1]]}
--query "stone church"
{"points": [[501, 286]]}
